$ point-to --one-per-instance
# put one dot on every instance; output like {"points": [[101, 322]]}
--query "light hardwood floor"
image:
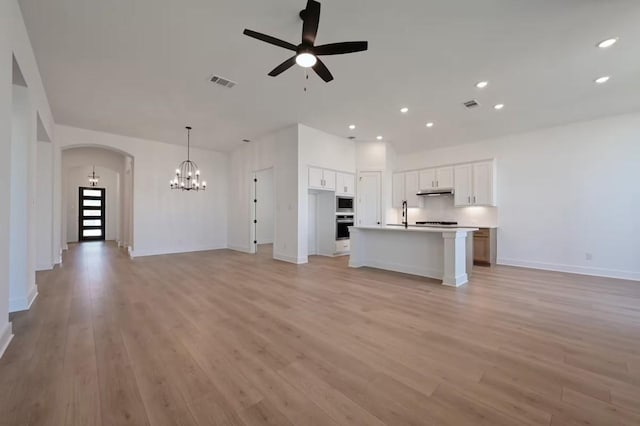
{"points": [[228, 338]]}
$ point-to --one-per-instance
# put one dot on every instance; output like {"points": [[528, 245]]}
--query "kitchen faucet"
{"points": [[405, 214]]}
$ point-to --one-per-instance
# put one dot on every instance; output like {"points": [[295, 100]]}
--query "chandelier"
{"points": [[187, 174], [93, 179]]}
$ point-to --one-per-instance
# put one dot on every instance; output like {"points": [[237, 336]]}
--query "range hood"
{"points": [[435, 192]]}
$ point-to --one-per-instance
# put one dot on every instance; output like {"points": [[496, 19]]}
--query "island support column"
{"points": [[455, 258]]}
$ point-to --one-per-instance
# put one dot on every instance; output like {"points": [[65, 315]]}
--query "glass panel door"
{"points": [[91, 218]]}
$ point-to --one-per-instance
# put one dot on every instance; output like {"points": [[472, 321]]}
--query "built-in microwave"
{"points": [[344, 204]]}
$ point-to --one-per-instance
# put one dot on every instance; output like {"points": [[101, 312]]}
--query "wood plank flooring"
{"points": [[226, 338]]}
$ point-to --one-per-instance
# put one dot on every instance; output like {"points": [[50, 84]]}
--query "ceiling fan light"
{"points": [[306, 60]]}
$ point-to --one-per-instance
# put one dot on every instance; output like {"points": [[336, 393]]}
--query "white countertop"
{"points": [[413, 228]]}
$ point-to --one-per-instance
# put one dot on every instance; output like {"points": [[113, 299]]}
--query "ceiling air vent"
{"points": [[222, 81], [471, 104]]}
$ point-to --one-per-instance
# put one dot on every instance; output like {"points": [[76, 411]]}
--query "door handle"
{"points": [[474, 199], [437, 184]]}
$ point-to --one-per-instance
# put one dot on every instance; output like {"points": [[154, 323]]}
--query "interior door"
{"points": [[369, 199], [91, 214]]}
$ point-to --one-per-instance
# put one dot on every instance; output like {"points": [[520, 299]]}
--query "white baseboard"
{"points": [[144, 253], [572, 269], [23, 303], [290, 259], [6, 334], [240, 248]]}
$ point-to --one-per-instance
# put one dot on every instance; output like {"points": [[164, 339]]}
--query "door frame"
{"points": [[81, 217]]}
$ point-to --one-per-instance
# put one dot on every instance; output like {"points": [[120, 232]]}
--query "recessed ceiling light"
{"points": [[498, 106], [352, 126], [430, 124], [379, 138], [482, 84], [404, 110], [607, 43], [603, 79]]}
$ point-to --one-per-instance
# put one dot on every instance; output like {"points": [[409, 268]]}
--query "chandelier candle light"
{"points": [[93, 179], [187, 174]]}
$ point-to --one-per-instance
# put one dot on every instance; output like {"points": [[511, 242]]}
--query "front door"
{"points": [[91, 214]]}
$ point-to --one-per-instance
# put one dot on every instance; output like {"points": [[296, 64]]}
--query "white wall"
{"points": [[5, 168], [45, 255], [166, 221], [265, 207], [22, 289], [278, 150], [14, 40], [319, 149], [563, 192]]}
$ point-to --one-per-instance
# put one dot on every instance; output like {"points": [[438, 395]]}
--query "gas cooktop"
{"points": [[436, 223]]}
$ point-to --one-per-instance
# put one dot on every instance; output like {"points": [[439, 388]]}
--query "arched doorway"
{"points": [[84, 213]]}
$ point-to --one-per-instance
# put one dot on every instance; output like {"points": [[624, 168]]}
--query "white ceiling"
{"points": [[141, 67]]}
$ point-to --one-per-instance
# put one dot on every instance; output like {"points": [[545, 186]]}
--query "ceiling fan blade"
{"points": [[311, 21], [341, 48], [270, 40], [321, 69], [283, 66]]}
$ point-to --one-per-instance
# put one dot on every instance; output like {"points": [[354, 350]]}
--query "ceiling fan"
{"points": [[306, 53]]}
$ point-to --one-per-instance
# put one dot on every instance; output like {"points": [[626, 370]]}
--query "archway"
{"points": [[115, 169]]}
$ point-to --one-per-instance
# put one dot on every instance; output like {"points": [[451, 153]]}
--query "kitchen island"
{"points": [[444, 253]]}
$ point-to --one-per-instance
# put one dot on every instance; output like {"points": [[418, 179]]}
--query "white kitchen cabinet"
{"points": [[322, 179], [463, 190], [475, 184], [436, 178], [329, 180], [444, 177], [428, 179], [405, 187], [316, 179], [345, 184], [483, 184]]}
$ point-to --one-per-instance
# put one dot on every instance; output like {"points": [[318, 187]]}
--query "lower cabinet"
{"points": [[343, 246], [484, 246]]}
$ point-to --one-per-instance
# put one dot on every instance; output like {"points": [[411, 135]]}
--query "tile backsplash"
{"points": [[442, 209]]}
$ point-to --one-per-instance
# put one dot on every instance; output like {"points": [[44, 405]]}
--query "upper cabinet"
{"points": [[345, 184], [322, 179], [439, 178], [405, 187], [475, 184]]}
